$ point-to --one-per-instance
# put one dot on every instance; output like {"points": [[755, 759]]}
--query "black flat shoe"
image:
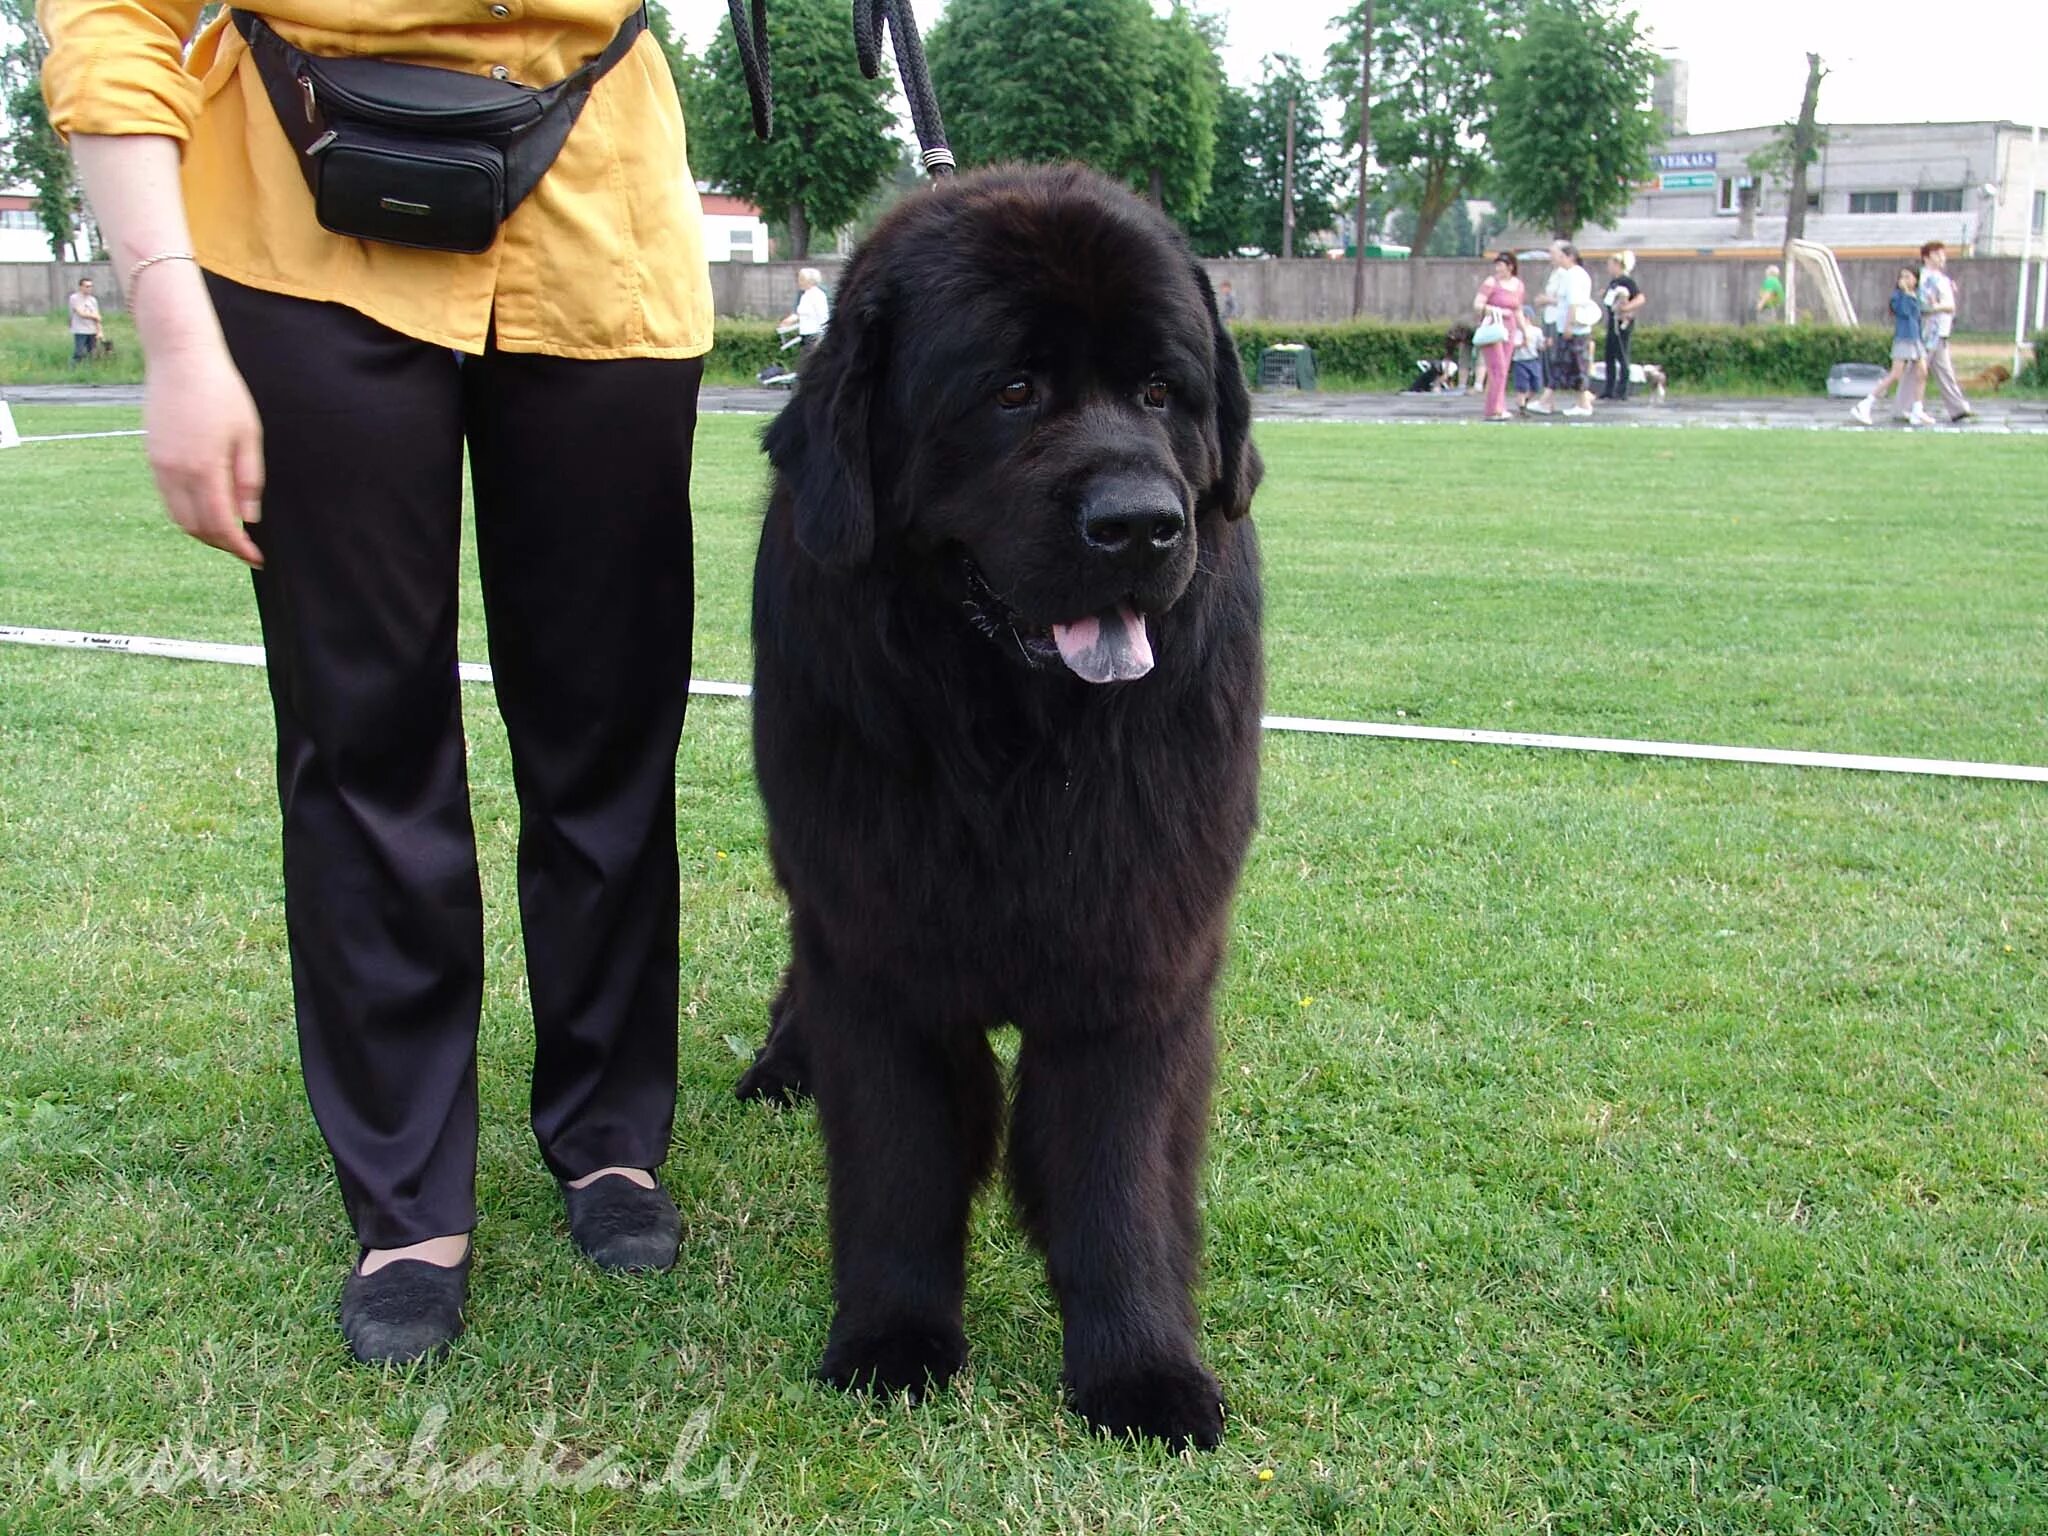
{"points": [[620, 1226], [408, 1310]]}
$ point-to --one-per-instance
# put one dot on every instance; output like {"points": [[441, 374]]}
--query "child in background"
{"points": [[1527, 363], [1909, 358]]}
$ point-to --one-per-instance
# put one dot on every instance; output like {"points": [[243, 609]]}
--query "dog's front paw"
{"points": [[1179, 1404], [776, 1077], [910, 1359]]}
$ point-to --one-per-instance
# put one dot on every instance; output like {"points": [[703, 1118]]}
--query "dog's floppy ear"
{"points": [[1242, 468], [820, 441]]}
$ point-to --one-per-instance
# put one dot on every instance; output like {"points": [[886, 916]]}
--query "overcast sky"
{"points": [[1889, 60]]}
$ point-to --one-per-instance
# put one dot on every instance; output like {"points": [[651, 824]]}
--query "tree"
{"points": [[31, 151], [1432, 64], [1794, 147], [832, 138], [1040, 80], [1246, 206], [1170, 152], [1454, 234], [1572, 130]]}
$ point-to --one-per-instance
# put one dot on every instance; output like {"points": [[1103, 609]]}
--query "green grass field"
{"points": [[1600, 1144]]}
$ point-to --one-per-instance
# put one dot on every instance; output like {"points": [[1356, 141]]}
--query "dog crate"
{"points": [[1291, 365]]}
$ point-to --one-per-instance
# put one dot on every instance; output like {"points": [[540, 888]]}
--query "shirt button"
{"points": [[501, 11], [500, 72]]}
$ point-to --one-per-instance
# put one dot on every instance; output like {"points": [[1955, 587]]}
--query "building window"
{"points": [[2040, 212], [1813, 202], [1873, 202], [1938, 202], [18, 218], [1726, 202]]}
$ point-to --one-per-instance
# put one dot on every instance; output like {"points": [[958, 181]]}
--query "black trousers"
{"points": [[1615, 360], [581, 476]]}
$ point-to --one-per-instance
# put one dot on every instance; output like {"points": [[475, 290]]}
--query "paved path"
{"points": [[1806, 413]]}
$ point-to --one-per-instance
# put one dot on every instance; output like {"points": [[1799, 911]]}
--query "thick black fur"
{"points": [[969, 834]]}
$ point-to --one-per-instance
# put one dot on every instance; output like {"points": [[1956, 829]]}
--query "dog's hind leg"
{"points": [[781, 1070]]}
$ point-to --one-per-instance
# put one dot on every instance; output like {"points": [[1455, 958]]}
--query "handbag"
{"points": [[407, 154], [1493, 330], [1586, 314]]}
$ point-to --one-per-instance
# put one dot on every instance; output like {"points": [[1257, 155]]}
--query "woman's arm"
{"points": [[205, 442]]}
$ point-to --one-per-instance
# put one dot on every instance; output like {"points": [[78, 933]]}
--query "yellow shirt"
{"points": [[604, 259]]}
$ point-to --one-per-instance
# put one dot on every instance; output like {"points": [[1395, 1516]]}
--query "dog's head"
{"points": [[1025, 393]]}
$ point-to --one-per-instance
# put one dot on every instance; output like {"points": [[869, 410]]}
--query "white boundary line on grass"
{"points": [[479, 672], [69, 437]]}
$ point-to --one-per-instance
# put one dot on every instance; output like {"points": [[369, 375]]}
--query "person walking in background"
{"points": [[85, 322], [813, 310], [1770, 297], [1621, 301], [1909, 357], [1227, 306], [1937, 319], [1499, 302], [310, 401], [1570, 314]]}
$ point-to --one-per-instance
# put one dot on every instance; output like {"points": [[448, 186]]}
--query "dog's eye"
{"points": [[1017, 392], [1155, 394]]}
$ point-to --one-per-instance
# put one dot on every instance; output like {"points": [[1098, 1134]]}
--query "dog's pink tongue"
{"points": [[1108, 647]]}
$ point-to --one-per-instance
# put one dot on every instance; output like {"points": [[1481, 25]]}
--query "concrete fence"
{"points": [[1695, 289], [37, 287], [1690, 289]]}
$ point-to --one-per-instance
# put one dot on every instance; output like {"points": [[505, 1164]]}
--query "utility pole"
{"points": [[2019, 318], [1287, 191], [1364, 159]]}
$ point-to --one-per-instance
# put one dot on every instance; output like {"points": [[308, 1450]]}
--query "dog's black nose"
{"points": [[1125, 515]]}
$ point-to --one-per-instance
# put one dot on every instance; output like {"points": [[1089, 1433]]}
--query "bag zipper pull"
{"points": [[306, 85], [322, 142]]}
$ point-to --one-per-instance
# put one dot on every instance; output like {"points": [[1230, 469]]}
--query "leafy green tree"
{"points": [[832, 141], [31, 152], [1572, 128], [1171, 151], [1040, 80], [1432, 66], [1246, 204]]}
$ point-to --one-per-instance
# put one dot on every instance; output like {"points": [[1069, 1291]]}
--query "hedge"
{"points": [[1783, 356], [1787, 357]]}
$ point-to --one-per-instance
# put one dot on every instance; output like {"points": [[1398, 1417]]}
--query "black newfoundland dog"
{"points": [[1007, 684]]}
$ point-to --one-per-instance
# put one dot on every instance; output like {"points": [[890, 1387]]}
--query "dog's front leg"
{"points": [[910, 1114], [1105, 1152]]}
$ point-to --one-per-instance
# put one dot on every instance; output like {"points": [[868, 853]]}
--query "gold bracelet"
{"points": [[147, 262]]}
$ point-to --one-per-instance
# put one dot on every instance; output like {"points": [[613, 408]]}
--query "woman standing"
{"points": [[1571, 314], [309, 397], [1624, 296], [1499, 303]]}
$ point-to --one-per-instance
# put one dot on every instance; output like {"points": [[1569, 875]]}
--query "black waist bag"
{"points": [[405, 154]]}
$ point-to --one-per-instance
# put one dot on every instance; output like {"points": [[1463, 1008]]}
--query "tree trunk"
{"points": [[1364, 160], [1429, 212], [1802, 151], [799, 233]]}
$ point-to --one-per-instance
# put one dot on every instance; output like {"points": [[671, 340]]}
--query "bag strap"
{"points": [[277, 58]]}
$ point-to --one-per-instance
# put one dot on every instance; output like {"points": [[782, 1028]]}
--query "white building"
{"points": [[21, 233], [1878, 189], [733, 230]]}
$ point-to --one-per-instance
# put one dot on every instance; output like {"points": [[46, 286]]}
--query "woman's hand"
{"points": [[205, 446], [205, 443]]}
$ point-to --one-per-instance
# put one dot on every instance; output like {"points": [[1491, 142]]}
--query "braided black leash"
{"points": [[870, 18], [751, 34]]}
